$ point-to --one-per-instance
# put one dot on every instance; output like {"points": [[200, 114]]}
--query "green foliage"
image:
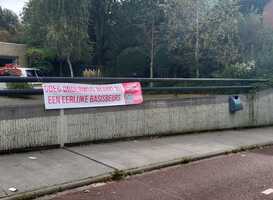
{"points": [[173, 38], [34, 23], [118, 175], [8, 20], [132, 62], [41, 58], [100, 28], [39, 53], [9, 25], [67, 25], [59, 25], [18, 86], [239, 70], [256, 43], [203, 32]]}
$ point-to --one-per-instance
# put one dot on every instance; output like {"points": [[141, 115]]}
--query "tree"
{"points": [[8, 20], [224, 23], [204, 31], [151, 25], [99, 28], [125, 26], [144, 20], [123, 36], [200, 38], [9, 24], [256, 43], [64, 25], [186, 19], [41, 58], [35, 22]]}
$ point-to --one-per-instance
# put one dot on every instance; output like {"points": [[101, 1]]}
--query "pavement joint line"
{"points": [[92, 159]]}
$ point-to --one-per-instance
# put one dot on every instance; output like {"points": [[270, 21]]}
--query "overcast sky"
{"points": [[14, 5]]}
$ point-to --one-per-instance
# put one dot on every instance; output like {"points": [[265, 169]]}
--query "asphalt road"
{"points": [[242, 176]]}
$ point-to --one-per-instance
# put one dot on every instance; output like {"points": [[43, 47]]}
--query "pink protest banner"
{"points": [[68, 95]]}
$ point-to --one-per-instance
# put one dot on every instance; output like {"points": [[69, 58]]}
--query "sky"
{"points": [[14, 5]]}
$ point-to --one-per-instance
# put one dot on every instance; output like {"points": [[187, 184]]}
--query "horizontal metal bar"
{"points": [[146, 89], [6, 92], [198, 89], [120, 80]]}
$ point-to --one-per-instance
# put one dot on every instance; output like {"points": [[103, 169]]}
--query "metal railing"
{"points": [[121, 79], [189, 85]]}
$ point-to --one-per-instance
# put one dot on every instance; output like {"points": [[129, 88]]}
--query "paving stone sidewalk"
{"points": [[35, 173]]}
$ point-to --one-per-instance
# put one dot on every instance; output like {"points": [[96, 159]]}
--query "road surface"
{"points": [[242, 176]]}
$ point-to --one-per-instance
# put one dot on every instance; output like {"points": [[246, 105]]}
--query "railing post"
{"points": [[62, 135]]}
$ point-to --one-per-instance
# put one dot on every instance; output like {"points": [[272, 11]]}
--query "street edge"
{"points": [[186, 160], [123, 173], [58, 188]]}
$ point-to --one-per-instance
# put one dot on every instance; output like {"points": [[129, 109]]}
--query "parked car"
{"points": [[29, 72], [17, 70]]}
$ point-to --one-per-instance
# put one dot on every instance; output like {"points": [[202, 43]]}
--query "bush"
{"points": [[19, 86], [239, 70], [88, 73], [41, 58]]}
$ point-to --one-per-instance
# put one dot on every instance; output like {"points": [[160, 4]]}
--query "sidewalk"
{"points": [[38, 173]]}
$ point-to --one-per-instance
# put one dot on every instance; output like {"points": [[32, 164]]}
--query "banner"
{"points": [[68, 95]]}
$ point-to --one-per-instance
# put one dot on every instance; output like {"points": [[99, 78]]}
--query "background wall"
{"points": [[17, 51]]}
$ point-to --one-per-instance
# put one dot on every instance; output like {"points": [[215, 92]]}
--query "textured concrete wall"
{"points": [[17, 51], [263, 108], [31, 126], [154, 118]]}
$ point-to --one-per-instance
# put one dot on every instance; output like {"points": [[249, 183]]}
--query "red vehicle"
{"points": [[10, 70]]}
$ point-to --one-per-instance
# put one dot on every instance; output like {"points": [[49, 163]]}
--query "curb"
{"points": [[57, 188], [186, 160], [109, 176]]}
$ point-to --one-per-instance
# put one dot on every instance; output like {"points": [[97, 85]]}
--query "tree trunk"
{"points": [[70, 66], [100, 21], [152, 53], [197, 72], [61, 68]]}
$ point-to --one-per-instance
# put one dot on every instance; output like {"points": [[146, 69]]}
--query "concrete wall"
{"points": [[30, 125], [263, 108], [17, 51]]}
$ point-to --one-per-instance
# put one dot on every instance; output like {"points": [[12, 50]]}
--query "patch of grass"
{"points": [[118, 175], [186, 161]]}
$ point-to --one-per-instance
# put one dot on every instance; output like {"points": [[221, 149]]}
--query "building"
{"points": [[268, 13], [13, 53]]}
